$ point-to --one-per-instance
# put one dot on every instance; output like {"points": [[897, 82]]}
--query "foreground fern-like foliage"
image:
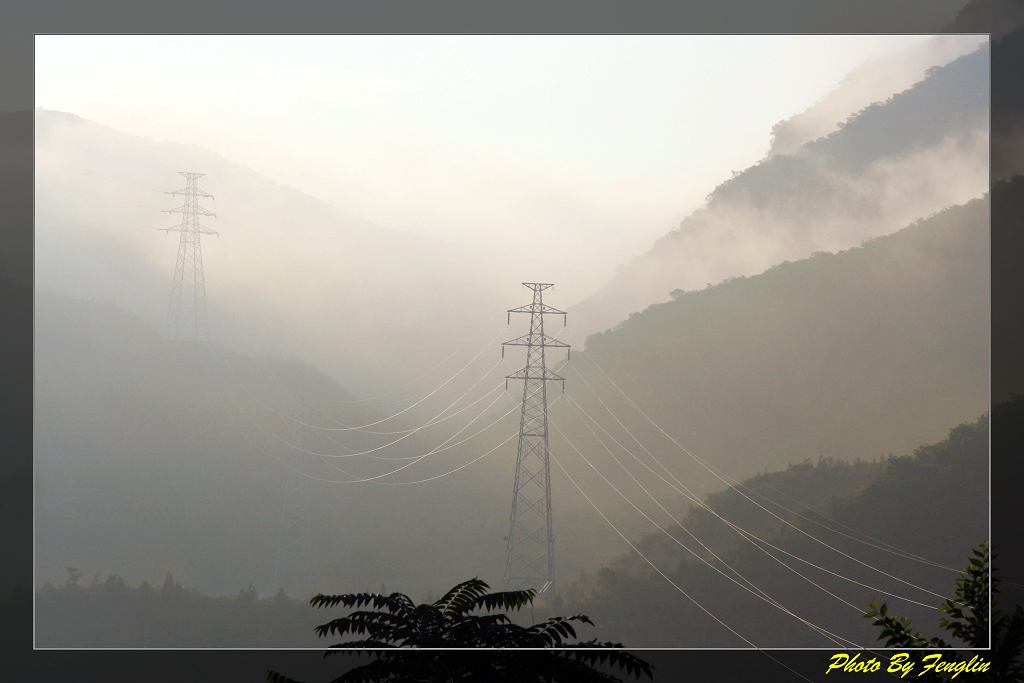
{"points": [[968, 620], [450, 629]]}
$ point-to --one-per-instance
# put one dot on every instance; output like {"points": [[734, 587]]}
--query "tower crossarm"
{"points": [[202, 229], [185, 208], [536, 308], [536, 340], [192, 192], [544, 374]]}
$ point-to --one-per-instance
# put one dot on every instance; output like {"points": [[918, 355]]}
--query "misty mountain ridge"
{"points": [[877, 80], [371, 306], [357, 299], [871, 350], [126, 420], [154, 455], [151, 453], [918, 152]]}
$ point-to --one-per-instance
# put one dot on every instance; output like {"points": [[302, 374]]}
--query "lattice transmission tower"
{"points": [[293, 564], [531, 540], [186, 314]]}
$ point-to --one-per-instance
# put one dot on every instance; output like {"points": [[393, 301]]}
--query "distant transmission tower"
{"points": [[294, 560], [186, 315], [531, 541]]}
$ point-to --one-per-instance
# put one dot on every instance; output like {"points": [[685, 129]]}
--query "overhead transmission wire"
{"points": [[372, 479], [361, 428], [749, 536], [645, 558], [419, 377], [884, 546], [697, 501], [759, 593], [437, 419], [700, 503], [752, 589], [475, 460], [413, 459], [784, 521], [347, 428], [665, 576], [444, 447], [689, 495], [376, 480], [220, 395], [271, 380], [872, 542], [372, 450], [351, 481], [503, 416]]}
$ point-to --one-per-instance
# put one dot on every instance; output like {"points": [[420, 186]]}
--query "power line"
{"points": [[368, 453], [886, 547], [419, 377], [754, 590], [443, 446], [646, 559], [299, 472], [437, 419], [414, 459], [441, 386], [752, 538], [784, 521]]}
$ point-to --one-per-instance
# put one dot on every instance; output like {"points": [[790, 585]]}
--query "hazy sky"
{"points": [[583, 141]]}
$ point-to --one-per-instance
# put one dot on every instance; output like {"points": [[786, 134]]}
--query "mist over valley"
{"points": [[819, 325]]}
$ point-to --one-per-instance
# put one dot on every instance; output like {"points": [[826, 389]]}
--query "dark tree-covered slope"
{"points": [[860, 353], [932, 504]]}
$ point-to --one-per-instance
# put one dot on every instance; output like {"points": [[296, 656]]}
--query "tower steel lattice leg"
{"points": [[186, 312], [531, 541]]}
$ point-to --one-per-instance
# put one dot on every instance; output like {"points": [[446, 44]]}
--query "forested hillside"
{"points": [[154, 456], [881, 513], [286, 274], [894, 162], [861, 353], [920, 511], [109, 613], [842, 355]]}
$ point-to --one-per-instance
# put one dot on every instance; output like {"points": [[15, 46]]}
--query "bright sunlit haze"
{"points": [[579, 150]]}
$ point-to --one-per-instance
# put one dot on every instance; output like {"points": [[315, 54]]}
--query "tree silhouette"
{"points": [[395, 624], [968, 621]]}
